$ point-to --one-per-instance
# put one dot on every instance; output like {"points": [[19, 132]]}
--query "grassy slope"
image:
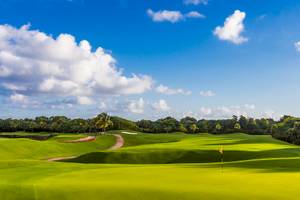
{"points": [[179, 148], [12, 149], [275, 175]]}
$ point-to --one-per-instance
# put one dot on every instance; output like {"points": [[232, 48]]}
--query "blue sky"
{"points": [[182, 63]]}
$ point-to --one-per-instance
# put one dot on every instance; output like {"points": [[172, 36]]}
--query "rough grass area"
{"points": [[256, 167]]}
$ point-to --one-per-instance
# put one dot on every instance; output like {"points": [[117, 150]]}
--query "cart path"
{"points": [[119, 142]]}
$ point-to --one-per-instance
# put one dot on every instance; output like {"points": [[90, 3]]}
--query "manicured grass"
{"points": [[256, 167], [192, 149], [141, 139], [12, 149]]}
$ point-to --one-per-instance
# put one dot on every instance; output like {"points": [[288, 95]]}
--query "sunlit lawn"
{"points": [[259, 168]]}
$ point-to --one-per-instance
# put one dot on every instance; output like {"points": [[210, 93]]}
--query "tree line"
{"points": [[61, 124], [286, 129], [192, 125]]}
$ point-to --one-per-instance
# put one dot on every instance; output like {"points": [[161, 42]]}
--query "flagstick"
{"points": [[221, 151], [222, 163]]}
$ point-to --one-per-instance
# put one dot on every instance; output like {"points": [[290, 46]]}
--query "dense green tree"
{"points": [[146, 126], [218, 127], [243, 121], [168, 124], [181, 128], [203, 126], [123, 124], [103, 122], [57, 123], [189, 123], [237, 126], [251, 126], [193, 128]]}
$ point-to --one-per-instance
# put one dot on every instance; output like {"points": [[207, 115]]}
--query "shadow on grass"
{"points": [[275, 165], [250, 141], [164, 156]]}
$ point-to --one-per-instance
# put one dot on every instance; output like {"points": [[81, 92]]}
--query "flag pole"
{"points": [[222, 163], [221, 151]]}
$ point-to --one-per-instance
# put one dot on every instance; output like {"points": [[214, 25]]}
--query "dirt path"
{"points": [[85, 139], [119, 143]]}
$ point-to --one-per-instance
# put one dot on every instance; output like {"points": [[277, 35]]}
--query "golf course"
{"points": [[134, 165], [149, 100]]}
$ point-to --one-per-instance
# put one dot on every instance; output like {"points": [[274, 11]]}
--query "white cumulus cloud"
{"points": [[233, 28], [19, 98], [85, 100], [205, 111], [207, 93], [172, 16], [13, 87], [37, 63], [161, 106], [170, 91], [195, 2], [194, 14], [136, 106], [297, 46]]}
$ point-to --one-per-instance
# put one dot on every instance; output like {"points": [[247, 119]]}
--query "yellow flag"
{"points": [[221, 150]]}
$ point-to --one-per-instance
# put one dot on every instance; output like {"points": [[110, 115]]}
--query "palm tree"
{"points": [[103, 122]]}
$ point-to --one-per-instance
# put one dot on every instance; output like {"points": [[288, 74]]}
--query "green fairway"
{"points": [[12, 149], [150, 166]]}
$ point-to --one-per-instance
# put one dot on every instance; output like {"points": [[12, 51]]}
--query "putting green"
{"points": [[256, 167]]}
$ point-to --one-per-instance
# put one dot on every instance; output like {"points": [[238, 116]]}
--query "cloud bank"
{"points": [[226, 111], [34, 63]]}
